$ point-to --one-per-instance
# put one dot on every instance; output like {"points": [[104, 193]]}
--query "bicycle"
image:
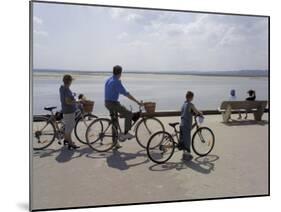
{"points": [[50, 127], [161, 145], [103, 133]]}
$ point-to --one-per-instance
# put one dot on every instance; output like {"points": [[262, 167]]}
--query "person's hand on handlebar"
{"points": [[140, 103]]}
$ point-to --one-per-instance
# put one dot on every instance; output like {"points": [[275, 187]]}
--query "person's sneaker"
{"points": [[117, 146], [135, 117], [124, 137], [187, 156]]}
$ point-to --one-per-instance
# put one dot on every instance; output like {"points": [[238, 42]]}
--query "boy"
{"points": [[187, 111]]}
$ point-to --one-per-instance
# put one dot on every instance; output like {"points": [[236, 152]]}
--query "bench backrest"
{"points": [[243, 104]]}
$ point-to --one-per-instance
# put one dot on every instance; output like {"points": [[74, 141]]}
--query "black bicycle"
{"points": [[50, 127], [103, 133], [161, 145]]}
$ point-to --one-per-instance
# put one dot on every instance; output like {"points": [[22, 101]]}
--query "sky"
{"points": [[86, 38]]}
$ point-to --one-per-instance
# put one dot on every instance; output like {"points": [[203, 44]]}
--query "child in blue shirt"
{"points": [[187, 111]]}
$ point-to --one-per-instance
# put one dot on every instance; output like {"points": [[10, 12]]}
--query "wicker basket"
{"points": [[88, 106], [149, 107]]}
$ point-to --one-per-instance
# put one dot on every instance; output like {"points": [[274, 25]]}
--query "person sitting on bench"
{"points": [[252, 97]]}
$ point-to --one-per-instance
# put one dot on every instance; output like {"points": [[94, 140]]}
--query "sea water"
{"points": [[167, 90]]}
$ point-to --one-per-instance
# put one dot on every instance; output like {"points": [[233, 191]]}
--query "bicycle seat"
{"points": [[174, 124], [49, 108]]}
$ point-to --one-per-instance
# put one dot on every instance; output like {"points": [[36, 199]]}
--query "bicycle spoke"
{"points": [[146, 128], [99, 135], [43, 133], [203, 141], [160, 147]]}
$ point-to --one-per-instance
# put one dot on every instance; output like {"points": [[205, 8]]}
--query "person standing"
{"points": [[187, 111], [69, 106], [112, 89]]}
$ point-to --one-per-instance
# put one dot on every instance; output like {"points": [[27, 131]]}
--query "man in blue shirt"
{"points": [[113, 88]]}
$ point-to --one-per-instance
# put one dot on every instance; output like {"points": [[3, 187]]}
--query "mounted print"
{"points": [[137, 105]]}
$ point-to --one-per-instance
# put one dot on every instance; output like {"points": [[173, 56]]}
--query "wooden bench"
{"points": [[227, 107]]}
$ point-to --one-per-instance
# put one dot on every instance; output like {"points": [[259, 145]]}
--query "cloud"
{"points": [[37, 20], [150, 39], [122, 35]]}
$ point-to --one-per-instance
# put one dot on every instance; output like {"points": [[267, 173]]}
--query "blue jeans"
{"points": [[185, 137]]}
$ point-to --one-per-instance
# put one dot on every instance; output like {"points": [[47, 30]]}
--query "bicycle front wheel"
{"points": [[146, 128], [101, 135], [81, 126], [160, 147], [203, 141], [43, 133]]}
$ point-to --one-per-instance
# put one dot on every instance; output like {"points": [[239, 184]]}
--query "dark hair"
{"points": [[232, 92], [117, 70], [67, 79], [189, 94], [80, 96], [251, 92]]}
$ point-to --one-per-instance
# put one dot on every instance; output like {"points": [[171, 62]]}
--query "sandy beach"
{"points": [[237, 166]]}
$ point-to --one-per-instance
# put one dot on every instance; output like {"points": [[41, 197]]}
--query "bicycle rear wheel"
{"points": [[81, 126], [101, 135], [160, 147], [203, 141], [146, 128], [43, 133]]}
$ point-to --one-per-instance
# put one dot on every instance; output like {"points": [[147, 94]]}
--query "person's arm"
{"points": [[71, 101], [69, 98], [194, 109], [124, 92], [129, 96]]}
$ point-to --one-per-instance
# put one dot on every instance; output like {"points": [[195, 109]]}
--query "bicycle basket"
{"points": [[149, 107], [88, 106]]}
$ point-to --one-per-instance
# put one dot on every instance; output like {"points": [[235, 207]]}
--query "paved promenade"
{"points": [[238, 165]]}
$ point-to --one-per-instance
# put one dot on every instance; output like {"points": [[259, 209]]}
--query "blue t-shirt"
{"points": [[186, 115], [113, 87], [65, 92]]}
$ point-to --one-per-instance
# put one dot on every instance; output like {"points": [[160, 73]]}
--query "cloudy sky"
{"points": [[97, 38]]}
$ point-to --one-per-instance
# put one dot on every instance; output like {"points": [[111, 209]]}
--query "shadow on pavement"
{"points": [[64, 154], [245, 122], [118, 160], [202, 165]]}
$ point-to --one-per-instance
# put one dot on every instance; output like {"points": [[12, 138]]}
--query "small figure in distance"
{"points": [[233, 97], [251, 97]]}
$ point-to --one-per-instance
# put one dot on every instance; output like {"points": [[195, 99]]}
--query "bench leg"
{"points": [[226, 115], [258, 114]]}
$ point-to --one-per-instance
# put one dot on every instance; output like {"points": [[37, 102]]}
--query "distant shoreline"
{"points": [[243, 73]]}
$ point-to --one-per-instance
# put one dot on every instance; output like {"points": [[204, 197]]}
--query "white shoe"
{"points": [[123, 137], [117, 146]]}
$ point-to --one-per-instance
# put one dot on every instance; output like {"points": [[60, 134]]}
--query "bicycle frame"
{"points": [[177, 132], [78, 113], [115, 121]]}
